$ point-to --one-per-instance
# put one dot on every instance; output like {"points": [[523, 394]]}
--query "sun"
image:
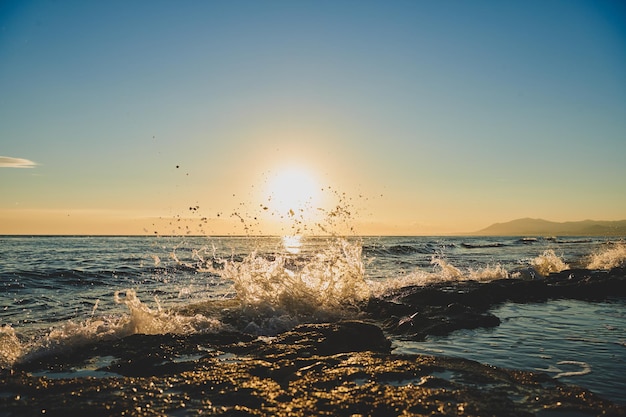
{"points": [[292, 192]]}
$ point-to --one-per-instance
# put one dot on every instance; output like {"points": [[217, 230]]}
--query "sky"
{"points": [[231, 117]]}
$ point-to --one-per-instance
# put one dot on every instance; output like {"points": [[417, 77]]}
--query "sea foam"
{"points": [[10, 347], [548, 262], [140, 319], [613, 256], [327, 282], [442, 271]]}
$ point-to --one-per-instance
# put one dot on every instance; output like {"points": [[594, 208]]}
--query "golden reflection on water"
{"points": [[292, 244]]}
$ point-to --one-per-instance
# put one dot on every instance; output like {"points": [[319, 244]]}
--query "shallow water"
{"points": [[577, 342]]}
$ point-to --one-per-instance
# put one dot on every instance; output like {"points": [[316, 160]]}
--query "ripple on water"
{"points": [[577, 342]]}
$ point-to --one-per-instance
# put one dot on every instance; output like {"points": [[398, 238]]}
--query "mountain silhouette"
{"points": [[541, 227]]}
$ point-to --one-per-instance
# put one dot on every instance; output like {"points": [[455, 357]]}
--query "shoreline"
{"points": [[344, 367]]}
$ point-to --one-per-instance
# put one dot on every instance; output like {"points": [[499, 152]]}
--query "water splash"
{"points": [[548, 262], [611, 257], [489, 273], [10, 347], [140, 319], [443, 271], [145, 320], [326, 283]]}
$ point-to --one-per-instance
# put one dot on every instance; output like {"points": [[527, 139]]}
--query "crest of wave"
{"points": [[613, 257], [327, 283], [140, 319], [548, 262], [443, 271]]}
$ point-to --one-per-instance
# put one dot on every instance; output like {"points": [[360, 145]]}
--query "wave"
{"points": [[443, 271], [73, 334], [613, 256], [548, 262], [568, 241], [527, 240], [483, 245], [55, 278], [272, 294], [323, 284], [269, 293], [401, 249]]}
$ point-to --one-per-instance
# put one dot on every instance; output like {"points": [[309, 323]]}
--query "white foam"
{"points": [[611, 257], [327, 282], [584, 369], [548, 262], [443, 271], [145, 320], [71, 334], [10, 346]]}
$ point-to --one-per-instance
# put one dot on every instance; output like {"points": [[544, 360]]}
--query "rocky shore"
{"points": [[441, 308], [343, 368]]}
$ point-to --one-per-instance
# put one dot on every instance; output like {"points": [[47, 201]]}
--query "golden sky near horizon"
{"points": [[263, 117]]}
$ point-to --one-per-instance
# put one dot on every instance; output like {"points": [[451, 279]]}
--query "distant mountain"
{"points": [[540, 227]]}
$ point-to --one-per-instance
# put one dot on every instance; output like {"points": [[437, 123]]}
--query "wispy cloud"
{"points": [[9, 162]]}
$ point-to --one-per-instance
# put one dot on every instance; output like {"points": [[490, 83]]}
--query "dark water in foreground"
{"points": [[58, 292]]}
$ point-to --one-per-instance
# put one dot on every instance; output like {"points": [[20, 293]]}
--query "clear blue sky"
{"points": [[443, 115]]}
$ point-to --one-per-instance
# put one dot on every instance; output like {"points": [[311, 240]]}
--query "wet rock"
{"points": [[136, 355], [308, 340], [333, 338], [332, 369], [350, 383], [440, 308]]}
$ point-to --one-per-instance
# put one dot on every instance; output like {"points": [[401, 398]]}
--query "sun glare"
{"points": [[293, 192]]}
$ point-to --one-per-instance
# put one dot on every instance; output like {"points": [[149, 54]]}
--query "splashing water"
{"points": [[548, 262], [489, 273], [11, 347], [145, 320], [443, 271], [612, 257], [140, 320], [324, 284]]}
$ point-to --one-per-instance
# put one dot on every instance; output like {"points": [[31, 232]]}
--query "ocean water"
{"points": [[60, 292]]}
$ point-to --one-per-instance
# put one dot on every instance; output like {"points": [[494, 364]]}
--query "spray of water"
{"points": [[145, 320], [72, 334], [325, 284], [11, 348], [613, 256], [548, 262], [442, 271]]}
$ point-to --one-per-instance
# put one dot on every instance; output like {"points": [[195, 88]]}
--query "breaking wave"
{"points": [[548, 262], [325, 283], [140, 319], [443, 271], [272, 291], [612, 257]]}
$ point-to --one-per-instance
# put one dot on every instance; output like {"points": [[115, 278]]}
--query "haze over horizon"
{"points": [[418, 117]]}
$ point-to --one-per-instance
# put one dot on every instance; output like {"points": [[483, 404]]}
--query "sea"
{"points": [[60, 292]]}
